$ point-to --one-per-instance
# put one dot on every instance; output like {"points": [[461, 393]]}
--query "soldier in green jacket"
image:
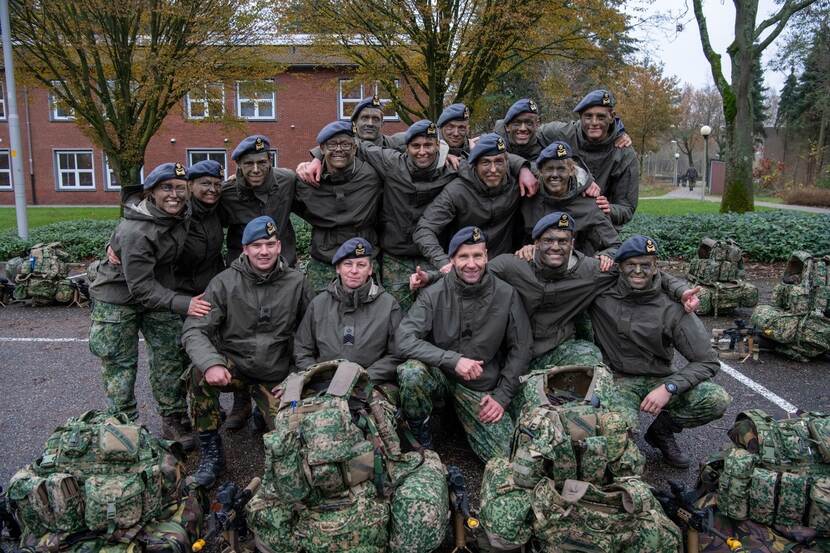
{"points": [[342, 205], [638, 327], [140, 294], [454, 126], [245, 341], [563, 184], [354, 319], [471, 335]]}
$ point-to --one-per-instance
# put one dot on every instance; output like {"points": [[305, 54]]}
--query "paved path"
{"points": [[683, 193]]}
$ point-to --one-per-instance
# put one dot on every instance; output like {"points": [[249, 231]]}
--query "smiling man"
{"points": [[470, 337], [244, 342], [454, 125]]}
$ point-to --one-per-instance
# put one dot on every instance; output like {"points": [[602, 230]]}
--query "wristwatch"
{"points": [[671, 387]]}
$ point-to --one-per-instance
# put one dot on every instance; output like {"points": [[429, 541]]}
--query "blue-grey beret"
{"points": [[353, 247], [251, 145], [205, 168], [333, 129], [467, 235], [555, 150], [163, 172], [636, 246], [370, 102], [424, 127], [557, 219], [525, 105], [453, 112], [600, 97], [259, 228], [488, 144]]}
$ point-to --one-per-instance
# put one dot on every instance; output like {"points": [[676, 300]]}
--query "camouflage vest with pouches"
{"points": [[805, 287], [42, 277], [719, 270], [100, 477], [778, 473]]}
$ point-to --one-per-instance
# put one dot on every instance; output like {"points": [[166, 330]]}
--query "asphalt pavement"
{"points": [[47, 375]]}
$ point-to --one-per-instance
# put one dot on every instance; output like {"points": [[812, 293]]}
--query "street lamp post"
{"points": [[705, 131], [676, 155]]}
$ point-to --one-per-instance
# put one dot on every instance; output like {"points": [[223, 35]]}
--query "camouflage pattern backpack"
{"points": [[335, 478], [101, 478], [43, 276], [799, 319], [778, 472], [719, 271], [563, 433]]}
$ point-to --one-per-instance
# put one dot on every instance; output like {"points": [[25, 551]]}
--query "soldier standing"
{"points": [[454, 126]]}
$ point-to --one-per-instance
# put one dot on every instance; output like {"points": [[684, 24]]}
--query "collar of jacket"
{"points": [[626, 291], [428, 174], [588, 146], [260, 192], [338, 178], [201, 210], [146, 210], [469, 174], [242, 265], [351, 300], [463, 152], [549, 273], [466, 290]]}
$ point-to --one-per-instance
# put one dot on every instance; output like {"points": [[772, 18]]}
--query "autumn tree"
{"points": [[426, 54], [121, 66], [750, 40], [697, 107]]}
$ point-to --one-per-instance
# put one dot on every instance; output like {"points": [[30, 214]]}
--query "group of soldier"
{"points": [[446, 265]]}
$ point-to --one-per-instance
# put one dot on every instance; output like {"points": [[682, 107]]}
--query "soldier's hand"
{"points": [[198, 306], [218, 375], [592, 191], [656, 399], [453, 161], [604, 204], [526, 252], [623, 141], [605, 263], [690, 301], [528, 183], [472, 142], [446, 268], [468, 369], [111, 257], [310, 171], [490, 410], [277, 391], [418, 279]]}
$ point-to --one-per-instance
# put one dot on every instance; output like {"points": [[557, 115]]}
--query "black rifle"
{"points": [[228, 516], [460, 504]]}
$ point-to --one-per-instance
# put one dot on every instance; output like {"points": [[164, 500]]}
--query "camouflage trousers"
{"points": [[702, 404], [320, 274], [204, 400], [395, 273], [420, 385], [113, 337]]}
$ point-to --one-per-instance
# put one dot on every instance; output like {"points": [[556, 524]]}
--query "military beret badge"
{"points": [[431, 130], [561, 152], [563, 221], [650, 246], [375, 101], [259, 145], [532, 105], [360, 249], [500, 146], [606, 99], [180, 171], [476, 234], [271, 229]]}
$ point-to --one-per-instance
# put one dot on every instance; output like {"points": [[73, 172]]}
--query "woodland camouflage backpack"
{"points": [[42, 277], [799, 319], [719, 270], [100, 481], [335, 478], [566, 438], [778, 472]]}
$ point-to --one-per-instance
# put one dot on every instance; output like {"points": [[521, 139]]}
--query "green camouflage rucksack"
{"points": [[335, 478], [799, 319], [719, 271], [42, 277], [100, 478], [777, 473]]}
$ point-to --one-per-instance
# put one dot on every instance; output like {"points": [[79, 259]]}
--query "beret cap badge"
{"points": [[466, 112], [375, 100], [360, 249], [564, 222], [561, 152], [650, 247], [476, 234], [271, 229], [431, 130], [259, 144], [606, 99], [500, 146], [532, 105], [180, 171]]}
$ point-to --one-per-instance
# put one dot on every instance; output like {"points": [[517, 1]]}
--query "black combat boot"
{"points": [[660, 435], [421, 432], [258, 422], [240, 412], [173, 429], [211, 459]]}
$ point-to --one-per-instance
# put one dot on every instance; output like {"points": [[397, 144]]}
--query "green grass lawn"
{"points": [[682, 207], [39, 216], [658, 189]]}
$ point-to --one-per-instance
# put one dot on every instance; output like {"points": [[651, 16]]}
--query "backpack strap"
{"points": [[574, 490], [292, 389], [344, 378]]}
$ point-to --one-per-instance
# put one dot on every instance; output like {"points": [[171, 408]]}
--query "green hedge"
{"points": [[767, 236], [81, 239]]}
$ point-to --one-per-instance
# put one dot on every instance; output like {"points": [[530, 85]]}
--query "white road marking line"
{"points": [[754, 386]]}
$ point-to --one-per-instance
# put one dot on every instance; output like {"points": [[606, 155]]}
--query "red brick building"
{"points": [[62, 166]]}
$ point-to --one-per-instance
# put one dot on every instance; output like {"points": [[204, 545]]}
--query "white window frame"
{"points": [[5, 152], [53, 108], [58, 171], [108, 175], [275, 156], [363, 94], [205, 101], [191, 151], [3, 100], [266, 83]]}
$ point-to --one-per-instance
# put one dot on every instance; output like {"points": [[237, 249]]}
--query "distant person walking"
{"points": [[691, 177]]}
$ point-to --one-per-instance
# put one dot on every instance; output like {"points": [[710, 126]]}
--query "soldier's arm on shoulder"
{"points": [[604, 237], [516, 163], [316, 153], [555, 130], [197, 331], [139, 263], [519, 342], [382, 159], [411, 334], [397, 141], [436, 217], [305, 341], [693, 342]]}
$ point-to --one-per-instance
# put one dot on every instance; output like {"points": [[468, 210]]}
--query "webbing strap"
{"points": [[344, 379]]}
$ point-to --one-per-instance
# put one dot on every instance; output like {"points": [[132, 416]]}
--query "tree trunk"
{"points": [[822, 137], [128, 172]]}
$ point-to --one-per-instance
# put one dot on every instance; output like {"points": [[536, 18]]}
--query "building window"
{"points": [[256, 100], [206, 101], [111, 181], [2, 101], [58, 109], [275, 156], [5, 171], [195, 156], [351, 92], [74, 170]]}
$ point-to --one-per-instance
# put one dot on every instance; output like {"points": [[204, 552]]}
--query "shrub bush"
{"points": [[80, 239], [807, 195], [766, 236]]}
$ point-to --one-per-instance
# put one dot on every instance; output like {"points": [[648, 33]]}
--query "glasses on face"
{"points": [[338, 146], [180, 190], [491, 164], [519, 123]]}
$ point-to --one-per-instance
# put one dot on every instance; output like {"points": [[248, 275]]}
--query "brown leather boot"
{"points": [[660, 435], [240, 412], [173, 429]]}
